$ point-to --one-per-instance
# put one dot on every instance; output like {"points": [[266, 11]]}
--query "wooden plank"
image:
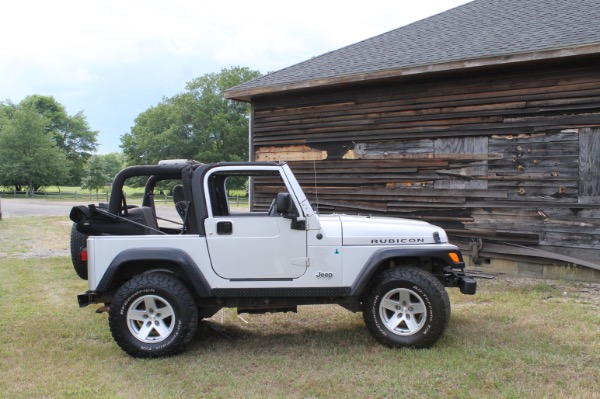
{"points": [[467, 146], [412, 192], [572, 240], [589, 163], [288, 153]]}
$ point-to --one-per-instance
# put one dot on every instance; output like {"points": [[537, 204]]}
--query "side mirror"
{"points": [[284, 204]]}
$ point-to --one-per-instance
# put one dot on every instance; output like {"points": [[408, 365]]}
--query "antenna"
{"points": [[316, 185]]}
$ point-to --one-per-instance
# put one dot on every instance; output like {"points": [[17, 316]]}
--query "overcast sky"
{"points": [[113, 59]]}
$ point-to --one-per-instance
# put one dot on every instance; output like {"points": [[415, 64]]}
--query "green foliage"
{"points": [[29, 156], [196, 124], [100, 170], [70, 135]]}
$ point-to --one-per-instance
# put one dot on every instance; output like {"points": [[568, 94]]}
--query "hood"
{"points": [[382, 231]]}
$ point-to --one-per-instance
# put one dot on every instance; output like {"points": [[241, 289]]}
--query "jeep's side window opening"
{"points": [[245, 194]]}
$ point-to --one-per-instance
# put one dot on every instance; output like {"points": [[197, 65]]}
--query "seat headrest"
{"points": [[178, 195]]}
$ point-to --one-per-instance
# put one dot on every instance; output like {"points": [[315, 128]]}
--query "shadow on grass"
{"points": [[212, 335]]}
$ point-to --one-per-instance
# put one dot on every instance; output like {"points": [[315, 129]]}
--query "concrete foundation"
{"points": [[523, 269]]}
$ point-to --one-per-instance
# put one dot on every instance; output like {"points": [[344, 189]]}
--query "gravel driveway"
{"points": [[11, 207]]}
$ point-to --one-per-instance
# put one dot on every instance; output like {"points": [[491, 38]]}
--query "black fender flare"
{"points": [[192, 274], [371, 266]]}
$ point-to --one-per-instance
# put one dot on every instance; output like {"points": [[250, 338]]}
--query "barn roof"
{"points": [[479, 33]]}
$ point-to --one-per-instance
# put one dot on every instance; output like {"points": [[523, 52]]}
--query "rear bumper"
{"points": [[90, 297], [85, 299]]}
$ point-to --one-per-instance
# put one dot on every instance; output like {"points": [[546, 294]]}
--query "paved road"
{"points": [[12, 207]]}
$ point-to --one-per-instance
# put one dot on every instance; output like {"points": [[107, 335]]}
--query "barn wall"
{"points": [[507, 158]]}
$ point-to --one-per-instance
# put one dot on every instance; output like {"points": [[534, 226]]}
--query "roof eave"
{"points": [[246, 95]]}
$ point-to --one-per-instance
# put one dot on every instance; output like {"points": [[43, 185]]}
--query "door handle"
{"points": [[225, 228]]}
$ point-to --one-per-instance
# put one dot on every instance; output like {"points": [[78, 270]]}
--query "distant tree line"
{"points": [[41, 145]]}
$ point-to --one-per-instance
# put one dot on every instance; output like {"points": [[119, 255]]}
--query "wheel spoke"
{"points": [[137, 315], [150, 303], [404, 297], [165, 312], [393, 322], [418, 308], [389, 304], [161, 329], [145, 331], [411, 324]]}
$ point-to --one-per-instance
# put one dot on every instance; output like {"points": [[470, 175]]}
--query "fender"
{"points": [[369, 269], [191, 273]]}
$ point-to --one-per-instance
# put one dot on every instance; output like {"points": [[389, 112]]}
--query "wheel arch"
{"points": [[390, 257], [136, 261]]}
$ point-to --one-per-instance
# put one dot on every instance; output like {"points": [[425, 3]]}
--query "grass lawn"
{"points": [[514, 339]]}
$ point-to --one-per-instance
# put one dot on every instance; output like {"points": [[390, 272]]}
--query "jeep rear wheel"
{"points": [[153, 315], [407, 307]]}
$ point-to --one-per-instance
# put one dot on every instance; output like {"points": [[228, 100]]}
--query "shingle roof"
{"points": [[482, 29]]}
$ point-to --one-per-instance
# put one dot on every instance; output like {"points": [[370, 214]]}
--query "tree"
{"points": [[29, 156], [100, 170], [72, 134], [114, 163], [196, 124]]}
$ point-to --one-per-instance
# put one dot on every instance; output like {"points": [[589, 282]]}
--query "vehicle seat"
{"points": [[179, 200], [145, 216]]}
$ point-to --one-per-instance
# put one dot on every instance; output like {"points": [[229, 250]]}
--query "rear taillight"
{"points": [[84, 255]]}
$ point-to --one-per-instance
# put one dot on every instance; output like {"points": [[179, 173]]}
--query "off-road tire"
{"points": [[415, 312], [153, 315], [78, 242]]}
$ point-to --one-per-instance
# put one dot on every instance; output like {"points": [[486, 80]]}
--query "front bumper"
{"points": [[467, 285]]}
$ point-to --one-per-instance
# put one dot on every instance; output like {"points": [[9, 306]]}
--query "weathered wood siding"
{"points": [[511, 157]]}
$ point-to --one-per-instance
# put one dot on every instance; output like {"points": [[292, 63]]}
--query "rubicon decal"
{"points": [[398, 241]]}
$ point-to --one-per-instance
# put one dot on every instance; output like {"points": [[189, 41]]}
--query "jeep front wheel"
{"points": [[153, 315], [407, 307]]}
